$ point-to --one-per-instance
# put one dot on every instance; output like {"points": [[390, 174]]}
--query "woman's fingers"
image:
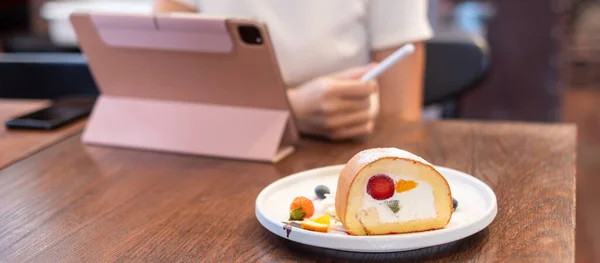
{"points": [[354, 73], [350, 89], [343, 118], [338, 106], [336, 122], [353, 131]]}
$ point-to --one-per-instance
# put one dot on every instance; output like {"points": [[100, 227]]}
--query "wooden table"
{"points": [[76, 203], [17, 144]]}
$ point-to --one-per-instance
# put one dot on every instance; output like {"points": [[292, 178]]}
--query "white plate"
{"points": [[476, 209]]}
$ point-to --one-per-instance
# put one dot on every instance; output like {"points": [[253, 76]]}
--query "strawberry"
{"points": [[301, 207], [380, 187]]}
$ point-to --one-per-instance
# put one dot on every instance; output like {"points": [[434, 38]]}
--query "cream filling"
{"points": [[417, 203]]}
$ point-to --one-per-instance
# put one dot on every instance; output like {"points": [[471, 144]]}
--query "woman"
{"points": [[337, 39]]}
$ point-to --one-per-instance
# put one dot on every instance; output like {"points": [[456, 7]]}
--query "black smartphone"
{"points": [[61, 112]]}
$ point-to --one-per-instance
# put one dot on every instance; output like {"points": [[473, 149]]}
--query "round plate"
{"points": [[476, 209]]}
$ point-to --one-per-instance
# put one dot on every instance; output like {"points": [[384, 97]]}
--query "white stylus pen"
{"points": [[389, 62]]}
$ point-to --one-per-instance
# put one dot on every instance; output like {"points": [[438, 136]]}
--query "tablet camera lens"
{"points": [[250, 35]]}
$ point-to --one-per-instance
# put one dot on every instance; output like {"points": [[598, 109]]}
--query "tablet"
{"points": [[186, 83]]}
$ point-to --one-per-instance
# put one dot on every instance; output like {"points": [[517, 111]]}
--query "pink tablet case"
{"points": [[185, 84]]}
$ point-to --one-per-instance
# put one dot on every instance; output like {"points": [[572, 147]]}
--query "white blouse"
{"points": [[315, 37]]}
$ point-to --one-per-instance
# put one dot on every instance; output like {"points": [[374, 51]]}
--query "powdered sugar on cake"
{"points": [[371, 155]]}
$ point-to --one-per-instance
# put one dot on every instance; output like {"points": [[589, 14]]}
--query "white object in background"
{"points": [[477, 208], [388, 62], [57, 13], [432, 112]]}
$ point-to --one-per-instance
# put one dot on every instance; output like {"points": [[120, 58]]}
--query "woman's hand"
{"points": [[337, 106]]}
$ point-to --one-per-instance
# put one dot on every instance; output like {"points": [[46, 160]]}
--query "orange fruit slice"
{"points": [[326, 219], [405, 185], [314, 226]]}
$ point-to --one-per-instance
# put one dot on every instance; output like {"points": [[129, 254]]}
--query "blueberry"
{"points": [[321, 190], [454, 203]]}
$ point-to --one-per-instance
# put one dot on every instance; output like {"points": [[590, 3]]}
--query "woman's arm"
{"points": [[401, 86], [170, 6]]}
